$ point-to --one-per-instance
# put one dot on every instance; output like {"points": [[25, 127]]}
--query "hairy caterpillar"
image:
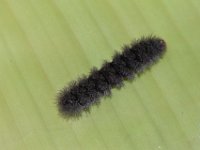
{"points": [[81, 94]]}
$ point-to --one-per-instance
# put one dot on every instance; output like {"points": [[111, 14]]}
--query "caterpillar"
{"points": [[80, 95]]}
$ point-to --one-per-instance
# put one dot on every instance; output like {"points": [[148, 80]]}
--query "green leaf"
{"points": [[44, 44]]}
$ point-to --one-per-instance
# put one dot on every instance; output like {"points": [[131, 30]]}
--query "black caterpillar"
{"points": [[81, 94]]}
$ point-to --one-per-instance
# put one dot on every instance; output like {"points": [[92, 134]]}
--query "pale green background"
{"points": [[44, 44]]}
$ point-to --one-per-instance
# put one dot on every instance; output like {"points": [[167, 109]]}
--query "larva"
{"points": [[81, 94]]}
